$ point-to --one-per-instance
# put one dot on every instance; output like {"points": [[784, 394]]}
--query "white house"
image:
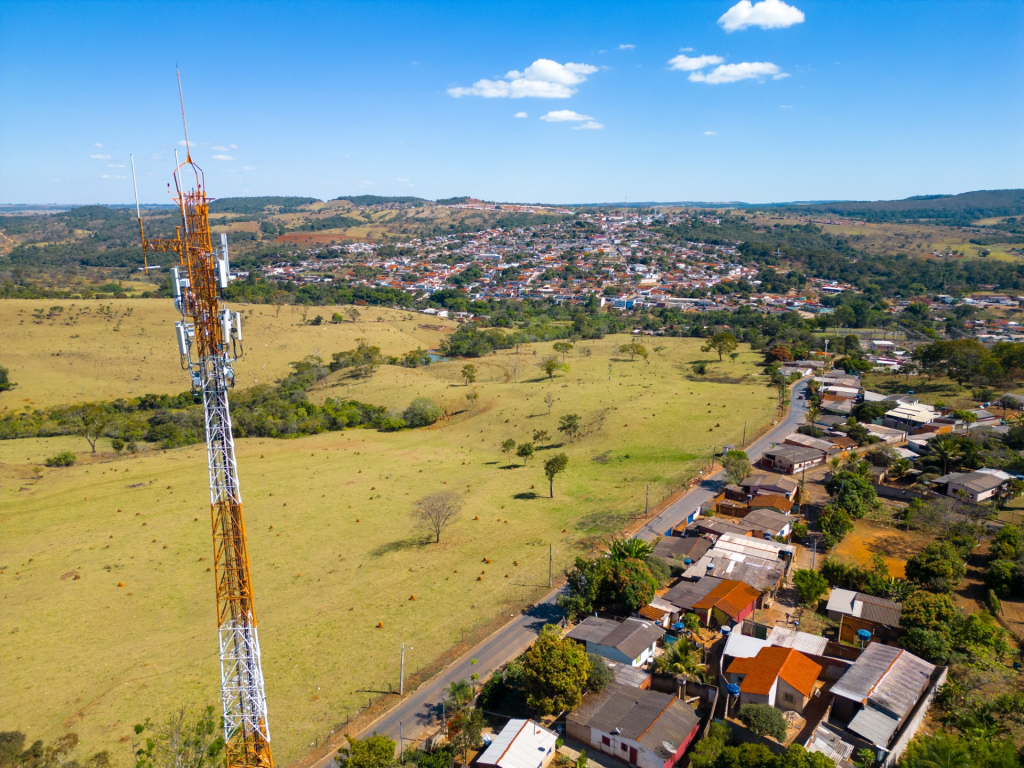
{"points": [[632, 641], [521, 744]]}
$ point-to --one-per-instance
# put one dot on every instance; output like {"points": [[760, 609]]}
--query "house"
{"points": [[791, 459], [685, 594], [768, 524], [805, 642], [740, 646], [521, 744], [773, 501], [806, 441], [660, 611], [762, 482], [680, 549], [780, 677], [642, 728], [888, 435], [909, 416], [855, 611], [874, 699], [632, 641], [728, 603], [976, 487], [627, 674]]}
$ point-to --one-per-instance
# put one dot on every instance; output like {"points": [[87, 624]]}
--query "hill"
{"points": [[334, 553], [962, 209]]}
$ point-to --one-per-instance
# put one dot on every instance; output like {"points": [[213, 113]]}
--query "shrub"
{"points": [[764, 720], [938, 567], [391, 424], [600, 674], [422, 412], [62, 459], [810, 585]]}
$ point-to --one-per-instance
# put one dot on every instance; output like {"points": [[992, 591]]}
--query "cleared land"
{"points": [[99, 350], [334, 553]]}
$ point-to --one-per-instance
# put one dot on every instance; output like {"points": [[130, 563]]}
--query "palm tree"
{"points": [[947, 450], [460, 693], [944, 752], [629, 549], [899, 468], [680, 659]]}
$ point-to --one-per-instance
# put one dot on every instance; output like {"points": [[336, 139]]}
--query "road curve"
{"points": [[420, 712]]}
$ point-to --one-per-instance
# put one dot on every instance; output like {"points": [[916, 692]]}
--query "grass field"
{"points": [[333, 550], [95, 350]]}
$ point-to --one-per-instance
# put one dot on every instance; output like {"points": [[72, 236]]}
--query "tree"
{"points": [[600, 674], [724, 343], [365, 358], [459, 693], [525, 452], [185, 739], [633, 349], [62, 459], [353, 314], [549, 401], [469, 373], [88, 421], [555, 672], [584, 585], [57, 754], [552, 467], [810, 585], [938, 567], [570, 425], [507, 446], [541, 436], [375, 751], [550, 365], [5, 381], [118, 445], [700, 368], [465, 731], [337, 319], [680, 660], [422, 412], [563, 348], [620, 548], [737, 466], [436, 511], [630, 584], [763, 720]]}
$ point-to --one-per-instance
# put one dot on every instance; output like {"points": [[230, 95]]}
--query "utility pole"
{"points": [[814, 553], [744, 443], [647, 502], [401, 743], [551, 560], [401, 674]]}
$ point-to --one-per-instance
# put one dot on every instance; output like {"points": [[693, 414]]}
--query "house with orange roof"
{"points": [[727, 604], [780, 677]]}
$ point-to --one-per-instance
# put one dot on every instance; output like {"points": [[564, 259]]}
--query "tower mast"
{"points": [[210, 341]]}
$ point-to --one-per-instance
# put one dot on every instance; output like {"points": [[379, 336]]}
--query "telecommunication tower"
{"points": [[209, 339]]}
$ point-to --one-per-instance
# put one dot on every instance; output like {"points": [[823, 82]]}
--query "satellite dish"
{"points": [[669, 747]]}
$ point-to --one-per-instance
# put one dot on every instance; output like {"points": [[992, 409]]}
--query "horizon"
{"points": [[714, 101]]}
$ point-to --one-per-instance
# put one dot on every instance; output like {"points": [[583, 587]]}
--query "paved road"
{"points": [[420, 712]]}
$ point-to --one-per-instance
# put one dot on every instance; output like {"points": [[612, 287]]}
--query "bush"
{"points": [[938, 567], [600, 674], [810, 585], [764, 720], [391, 424], [422, 412], [62, 459]]}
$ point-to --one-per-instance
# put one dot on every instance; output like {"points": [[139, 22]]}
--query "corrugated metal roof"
{"points": [[799, 641], [879, 610], [686, 593], [829, 743], [521, 744], [632, 636], [842, 601], [743, 647], [762, 547], [874, 725], [680, 548], [860, 679], [886, 679], [592, 629]]}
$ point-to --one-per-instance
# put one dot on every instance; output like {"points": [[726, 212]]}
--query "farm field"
{"points": [[334, 554], [99, 350]]}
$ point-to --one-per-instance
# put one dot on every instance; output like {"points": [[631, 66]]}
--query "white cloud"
{"points": [[101, 157], [709, 133], [685, 50], [248, 168], [544, 79], [733, 73], [592, 125], [108, 176], [685, 63], [564, 116], [520, 115], [115, 165], [785, 106], [223, 157], [767, 14], [626, 47], [98, 145], [219, 148]]}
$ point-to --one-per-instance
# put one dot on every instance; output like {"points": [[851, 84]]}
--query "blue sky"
{"points": [[841, 100]]}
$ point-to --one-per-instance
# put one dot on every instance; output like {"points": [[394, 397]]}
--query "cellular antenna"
{"points": [[184, 124]]}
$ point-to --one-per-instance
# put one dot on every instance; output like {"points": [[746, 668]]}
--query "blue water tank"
{"points": [[864, 634], [733, 689]]}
